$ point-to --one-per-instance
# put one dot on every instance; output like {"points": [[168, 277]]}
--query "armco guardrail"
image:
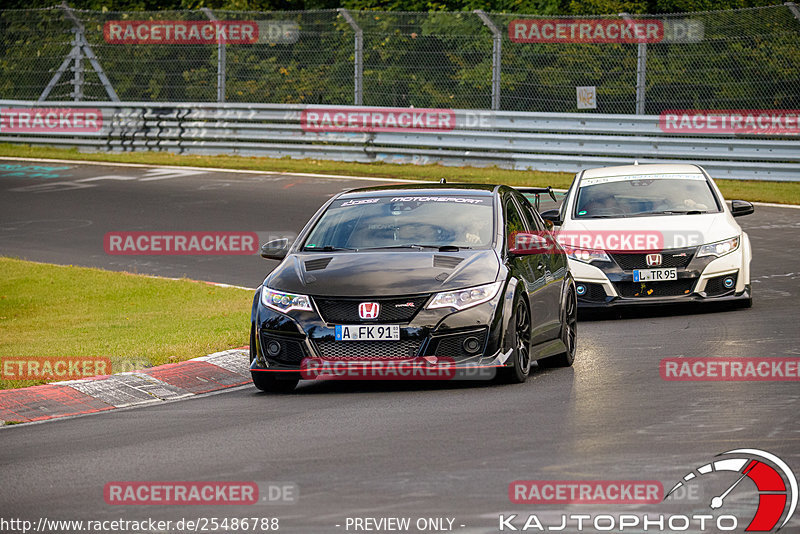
{"points": [[515, 140]]}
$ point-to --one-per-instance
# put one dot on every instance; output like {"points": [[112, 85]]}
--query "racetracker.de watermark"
{"points": [[743, 369], [586, 31], [181, 243], [742, 121], [585, 491], [422, 368], [622, 241], [54, 367], [199, 493], [44, 120], [376, 119]]}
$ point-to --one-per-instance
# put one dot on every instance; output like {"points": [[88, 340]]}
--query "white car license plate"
{"points": [[654, 275], [367, 332]]}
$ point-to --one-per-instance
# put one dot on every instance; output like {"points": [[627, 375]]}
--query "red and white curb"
{"points": [[172, 381]]}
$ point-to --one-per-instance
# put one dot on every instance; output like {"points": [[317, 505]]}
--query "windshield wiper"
{"points": [[441, 248], [326, 248], [671, 212]]}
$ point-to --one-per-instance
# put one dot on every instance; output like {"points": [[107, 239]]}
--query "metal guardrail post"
{"points": [[641, 71], [497, 55], [221, 58], [793, 8], [358, 60]]}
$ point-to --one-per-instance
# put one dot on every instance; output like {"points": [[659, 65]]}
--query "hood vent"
{"points": [[446, 262], [317, 264]]}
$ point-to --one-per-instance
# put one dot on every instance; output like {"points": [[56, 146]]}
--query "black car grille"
{"points": [[715, 287], [368, 350], [594, 292], [677, 258], [291, 350], [670, 288], [453, 346], [344, 311]]}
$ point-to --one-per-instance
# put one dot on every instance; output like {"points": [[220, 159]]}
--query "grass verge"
{"points": [[761, 191], [134, 320]]}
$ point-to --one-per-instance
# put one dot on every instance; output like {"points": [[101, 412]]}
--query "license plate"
{"points": [[364, 332], [654, 275]]}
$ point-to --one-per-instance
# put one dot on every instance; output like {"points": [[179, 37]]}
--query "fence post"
{"points": [[221, 59], [497, 55], [358, 82], [793, 8], [641, 70], [77, 73], [80, 48]]}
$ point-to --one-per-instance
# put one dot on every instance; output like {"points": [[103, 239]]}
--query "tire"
{"points": [[269, 382], [521, 341], [569, 333]]}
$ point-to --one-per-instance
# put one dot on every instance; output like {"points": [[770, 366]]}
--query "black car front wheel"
{"points": [[521, 342], [569, 333]]}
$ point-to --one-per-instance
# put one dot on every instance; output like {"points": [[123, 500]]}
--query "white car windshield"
{"points": [[641, 196]]}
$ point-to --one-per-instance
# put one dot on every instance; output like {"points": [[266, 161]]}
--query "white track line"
{"points": [[277, 173], [210, 169]]}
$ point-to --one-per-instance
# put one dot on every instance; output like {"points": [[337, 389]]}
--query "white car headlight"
{"points": [[587, 255], [284, 302], [465, 298], [720, 248]]}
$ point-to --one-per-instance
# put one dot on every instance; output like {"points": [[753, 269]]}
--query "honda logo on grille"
{"points": [[369, 310], [653, 260]]}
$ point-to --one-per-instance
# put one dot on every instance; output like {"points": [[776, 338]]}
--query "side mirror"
{"points": [[552, 216], [275, 249], [525, 243], [741, 207]]}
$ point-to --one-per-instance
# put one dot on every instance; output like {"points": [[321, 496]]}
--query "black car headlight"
{"points": [[284, 302], [465, 298]]}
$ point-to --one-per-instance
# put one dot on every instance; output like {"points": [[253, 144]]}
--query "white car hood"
{"points": [[678, 230]]}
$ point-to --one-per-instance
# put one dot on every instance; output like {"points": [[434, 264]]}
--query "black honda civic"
{"points": [[437, 276]]}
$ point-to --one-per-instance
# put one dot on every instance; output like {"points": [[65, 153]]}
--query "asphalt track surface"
{"points": [[390, 449]]}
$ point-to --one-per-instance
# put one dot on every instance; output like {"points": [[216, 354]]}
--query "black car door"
{"points": [[555, 269], [527, 267]]}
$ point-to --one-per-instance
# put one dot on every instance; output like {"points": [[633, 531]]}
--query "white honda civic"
{"points": [[653, 234]]}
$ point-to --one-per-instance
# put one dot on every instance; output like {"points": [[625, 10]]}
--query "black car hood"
{"points": [[384, 273]]}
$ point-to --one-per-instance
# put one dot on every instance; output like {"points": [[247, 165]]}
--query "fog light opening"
{"points": [[580, 289], [728, 282], [471, 345], [273, 348]]}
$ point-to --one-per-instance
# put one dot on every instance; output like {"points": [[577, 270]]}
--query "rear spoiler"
{"points": [[536, 192]]}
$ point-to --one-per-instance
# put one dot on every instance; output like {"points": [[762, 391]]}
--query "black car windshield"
{"points": [[412, 221], [645, 195]]}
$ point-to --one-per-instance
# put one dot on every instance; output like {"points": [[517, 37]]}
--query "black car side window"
{"points": [[529, 211], [514, 221]]}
